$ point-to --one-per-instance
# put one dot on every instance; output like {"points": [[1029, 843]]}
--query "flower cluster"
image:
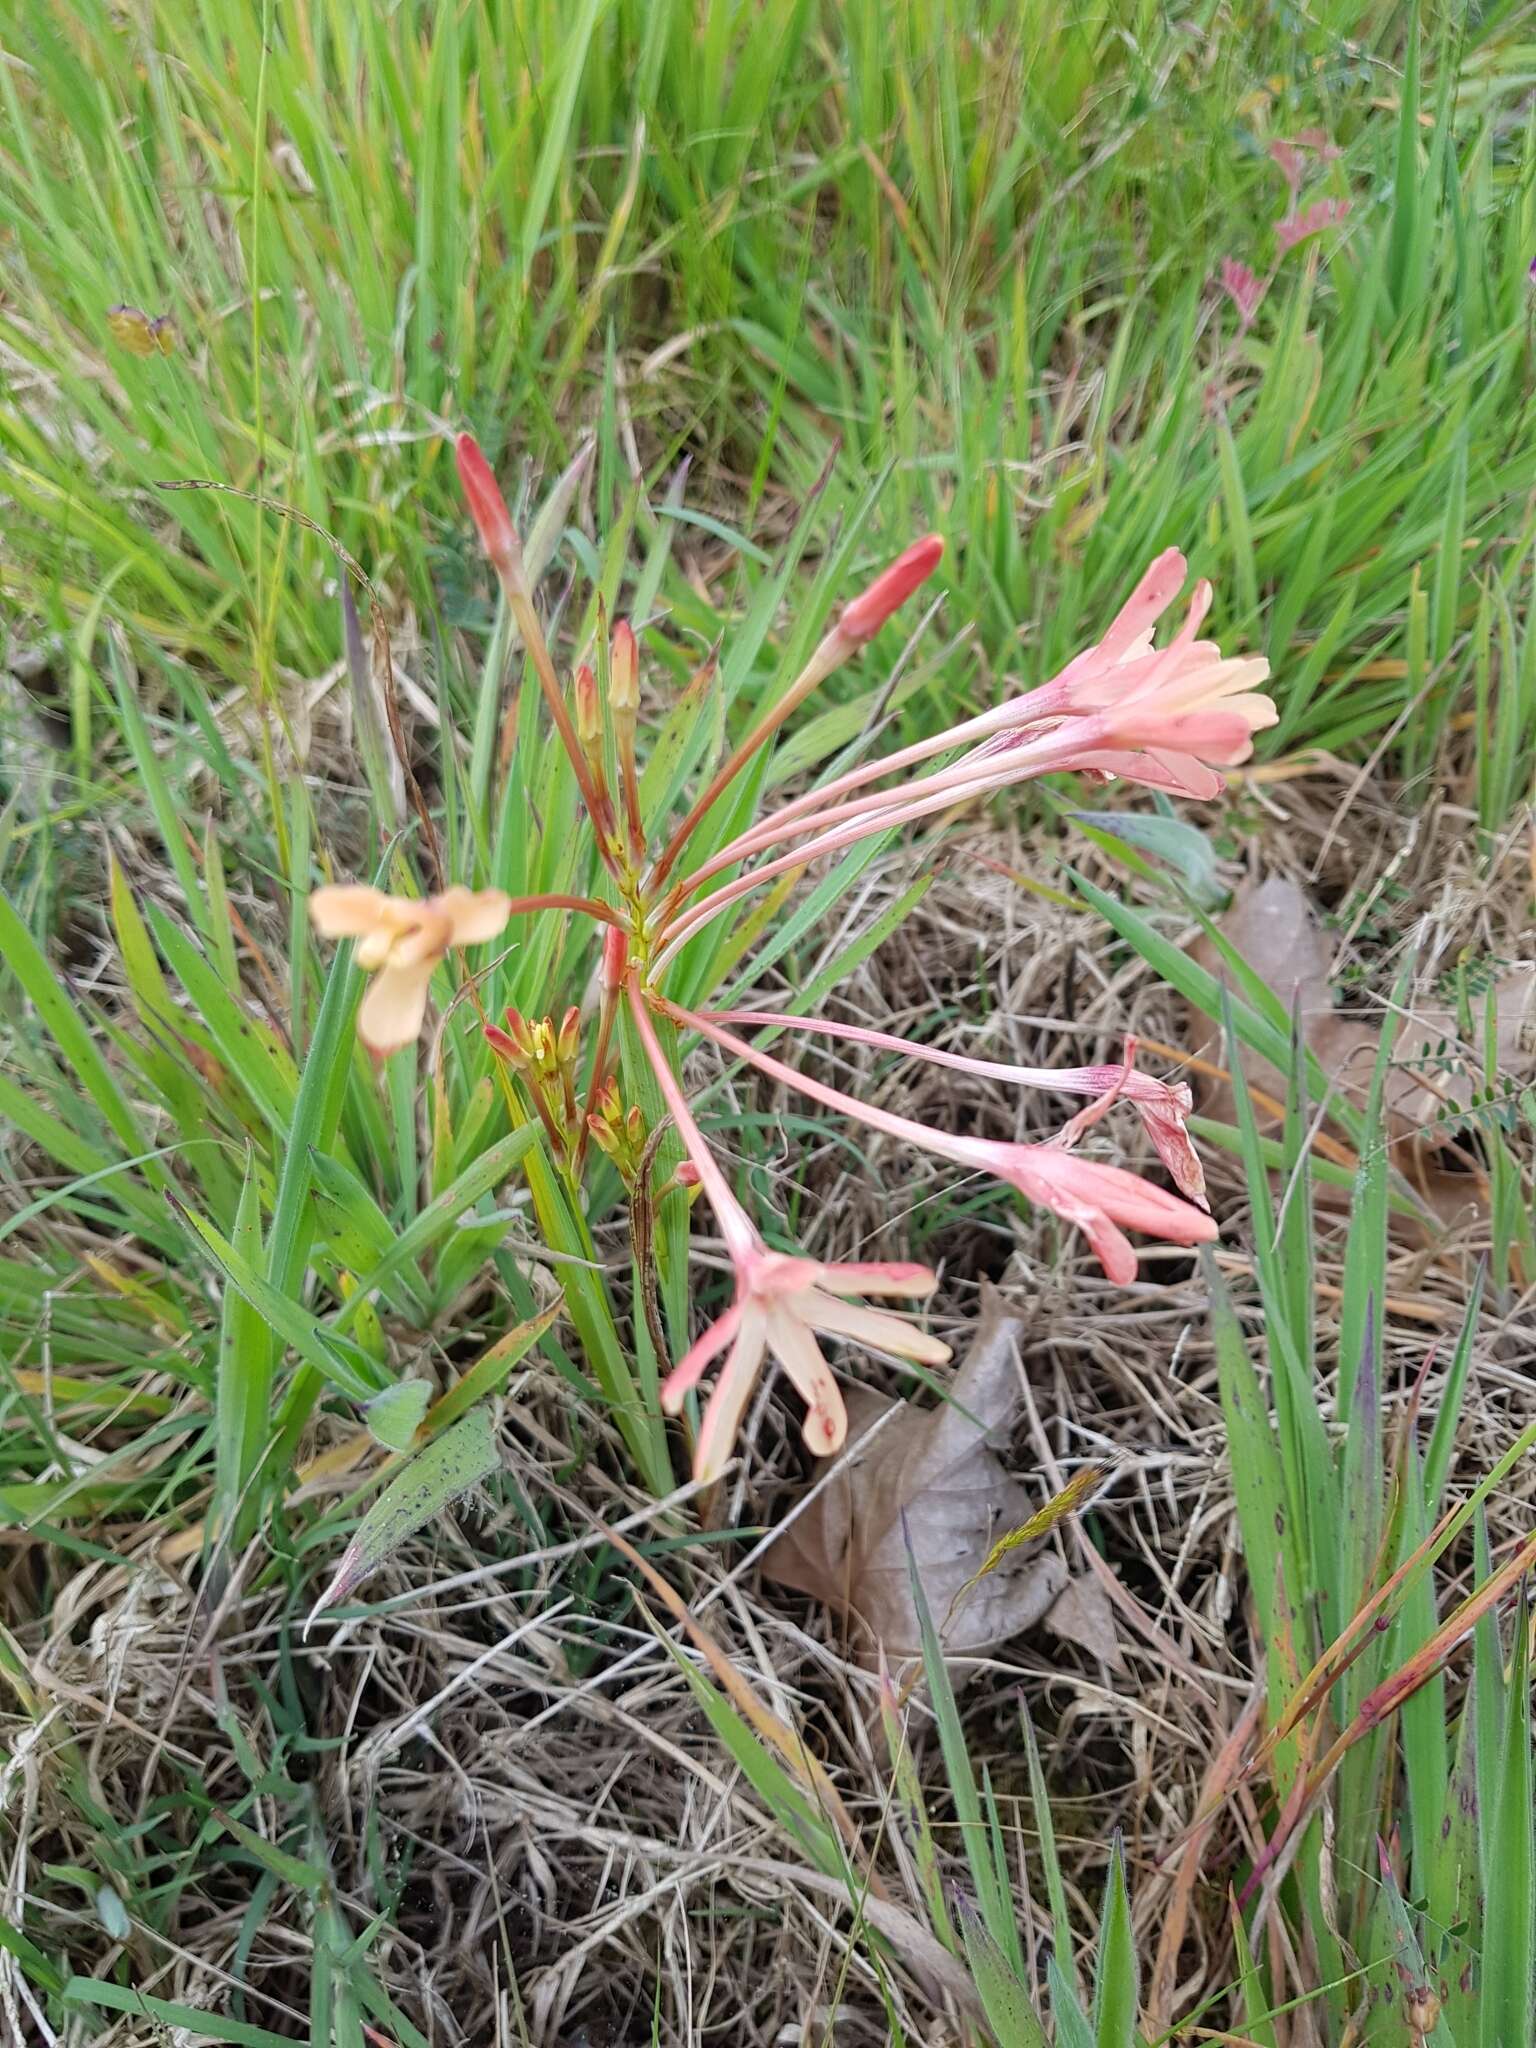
{"points": [[1292, 159], [1169, 717]]}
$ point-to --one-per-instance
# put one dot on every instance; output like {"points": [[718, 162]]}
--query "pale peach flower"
{"points": [[401, 940], [782, 1305]]}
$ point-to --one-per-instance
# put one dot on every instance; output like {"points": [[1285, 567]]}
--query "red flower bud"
{"points": [[488, 509], [863, 619], [624, 672]]}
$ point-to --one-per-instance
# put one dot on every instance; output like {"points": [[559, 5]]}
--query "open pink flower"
{"points": [[401, 940], [1243, 287], [1300, 227], [1163, 1106], [1184, 703], [1101, 1201], [1165, 716], [782, 1305]]}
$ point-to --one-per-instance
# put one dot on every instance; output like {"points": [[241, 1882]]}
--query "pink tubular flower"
{"points": [[1300, 227], [782, 1304], [1168, 717], [1101, 1201], [1163, 1106], [1243, 288]]}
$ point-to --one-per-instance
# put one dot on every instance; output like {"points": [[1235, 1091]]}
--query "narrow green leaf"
{"points": [[448, 1467]]}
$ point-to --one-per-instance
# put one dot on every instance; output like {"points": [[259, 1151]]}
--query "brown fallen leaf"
{"points": [[1433, 1074], [939, 1469], [1085, 1615]]}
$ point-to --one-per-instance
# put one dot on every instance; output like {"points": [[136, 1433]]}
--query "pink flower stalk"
{"points": [[1290, 158], [858, 623], [1287, 159], [1243, 287], [1300, 227], [782, 1304], [1101, 1201], [1163, 1106]]}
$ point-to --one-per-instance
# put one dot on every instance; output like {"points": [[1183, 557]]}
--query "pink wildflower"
{"points": [[1243, 287], [1101, 1201], [1287, 159], [782, 1305], [1300, 227], [1163, 1106], [1290, 158], [1168, 717]]}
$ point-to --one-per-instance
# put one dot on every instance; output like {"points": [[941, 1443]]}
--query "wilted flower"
{"points": [[401, 940], [1163, 1106]]}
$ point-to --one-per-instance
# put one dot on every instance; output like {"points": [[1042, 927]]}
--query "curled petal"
{"points": [[1169, 1134], [1099, 1198], [394, 1006], [826, 1419]]}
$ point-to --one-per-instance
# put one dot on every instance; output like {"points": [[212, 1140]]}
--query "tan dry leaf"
{"points": [[1274, 927], [1085, 1615], [940, 1467]]}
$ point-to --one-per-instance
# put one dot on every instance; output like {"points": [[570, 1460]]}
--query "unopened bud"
{"points": [[500, 1042], [687, 1174], [862, 619], [615, 957], [570, 1034], [488, 509], [624, 673], [589, 717]]}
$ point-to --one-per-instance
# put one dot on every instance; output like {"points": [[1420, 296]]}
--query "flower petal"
{"points": [[826, 1421], [895, 1277], [727, 1404], [394, 1006], [871, 1326], [689, 1369], [476, 915], [347, 910]]}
